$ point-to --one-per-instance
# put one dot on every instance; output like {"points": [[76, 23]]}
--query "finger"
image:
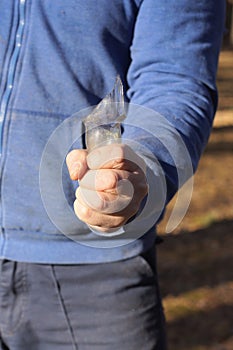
{"points": [[103, 202], [104, 210], [118, 182], [100, 180], [95, 199], [107, 179], [94, 218], [115, 156], [76, 161]]}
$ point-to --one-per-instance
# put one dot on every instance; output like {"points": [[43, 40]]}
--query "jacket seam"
{"points": [[58, 116]]}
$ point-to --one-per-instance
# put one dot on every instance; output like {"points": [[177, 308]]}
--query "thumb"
{"points": [[76, 162]]}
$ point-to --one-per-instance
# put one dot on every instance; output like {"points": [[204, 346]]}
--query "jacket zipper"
{"points": [[13, 59], [12, 68]]}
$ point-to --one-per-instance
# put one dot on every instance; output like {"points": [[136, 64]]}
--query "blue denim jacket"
{"points": [[60, 57]]}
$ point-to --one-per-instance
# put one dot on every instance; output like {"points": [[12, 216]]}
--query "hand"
{"points": [[112, 184]]}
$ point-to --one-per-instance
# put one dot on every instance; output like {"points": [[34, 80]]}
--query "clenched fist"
{"points": [[112, 184]]}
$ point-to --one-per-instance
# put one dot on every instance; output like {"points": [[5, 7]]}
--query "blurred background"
{"points": [[196, 260]]}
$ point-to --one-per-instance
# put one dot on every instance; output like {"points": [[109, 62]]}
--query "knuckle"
{"points": [[106, 179], [111, 179], [72, 156]]}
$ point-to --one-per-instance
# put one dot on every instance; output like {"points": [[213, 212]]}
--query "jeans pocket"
{"points": [[146, 262]]}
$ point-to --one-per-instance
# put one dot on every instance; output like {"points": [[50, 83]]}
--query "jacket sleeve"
{"points": [[174, 56]]}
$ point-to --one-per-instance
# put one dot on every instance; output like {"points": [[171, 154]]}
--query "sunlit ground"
{"points": [[196, 260]]}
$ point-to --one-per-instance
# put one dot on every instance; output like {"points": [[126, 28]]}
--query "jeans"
{"points": [[81, 307]]}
